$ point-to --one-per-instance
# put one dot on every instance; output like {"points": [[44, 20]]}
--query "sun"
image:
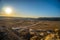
{"points": [[8, 10]]}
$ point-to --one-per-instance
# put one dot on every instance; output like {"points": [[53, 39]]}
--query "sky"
{"points": [[32, 8]]}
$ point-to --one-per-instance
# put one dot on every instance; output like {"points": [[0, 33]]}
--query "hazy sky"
{"points": [[31, 8]]}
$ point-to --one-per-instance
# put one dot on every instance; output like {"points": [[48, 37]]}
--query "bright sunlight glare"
{"points": [[8, 10]]}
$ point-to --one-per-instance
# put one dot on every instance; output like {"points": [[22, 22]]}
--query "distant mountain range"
{"points": [[40, 18], [50, 18]]}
